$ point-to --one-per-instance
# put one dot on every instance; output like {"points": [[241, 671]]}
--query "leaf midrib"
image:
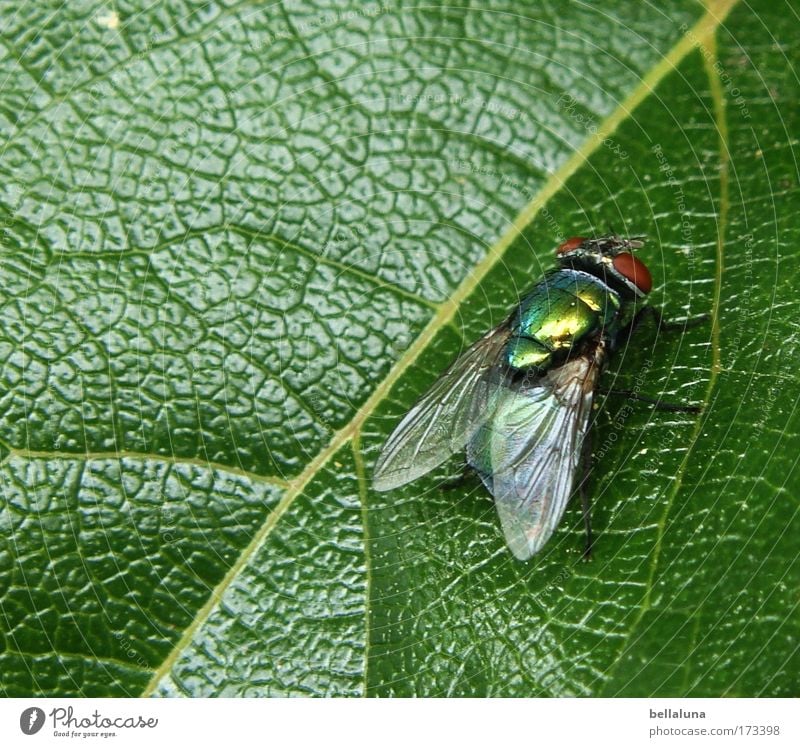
{"points": [[703, 29]]}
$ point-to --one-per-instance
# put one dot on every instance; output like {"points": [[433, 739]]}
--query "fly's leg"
{"points": [[668, 325], [583, 487], [466, 477], [672, 325]]}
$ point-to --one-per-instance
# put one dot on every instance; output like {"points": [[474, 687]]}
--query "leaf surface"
{"points": [[239, 241]]}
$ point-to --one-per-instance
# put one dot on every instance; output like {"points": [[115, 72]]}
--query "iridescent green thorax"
{"points": [[566, 308]]}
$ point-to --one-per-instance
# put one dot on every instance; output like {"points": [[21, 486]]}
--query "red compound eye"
{"points": [[634, 270], [570, 244]]}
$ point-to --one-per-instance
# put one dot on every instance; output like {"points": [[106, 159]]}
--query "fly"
{"points": [[519, 399]]}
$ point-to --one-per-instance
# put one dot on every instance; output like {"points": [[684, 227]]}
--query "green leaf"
{"points": [[238, 242]]}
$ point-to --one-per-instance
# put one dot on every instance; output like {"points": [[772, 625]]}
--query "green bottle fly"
{"points": [[519, 399]]}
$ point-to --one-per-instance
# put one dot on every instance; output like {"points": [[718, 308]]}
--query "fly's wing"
{"points": [[446, 417], [528, 454]]}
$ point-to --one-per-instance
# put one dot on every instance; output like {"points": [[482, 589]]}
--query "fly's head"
{"points": [[610, 258]]}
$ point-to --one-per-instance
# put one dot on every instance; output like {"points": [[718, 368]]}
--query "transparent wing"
{"points": [[529, 453], [446, 417]]}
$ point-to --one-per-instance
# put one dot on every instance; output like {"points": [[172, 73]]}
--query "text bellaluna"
{"points": [[680, 713]]}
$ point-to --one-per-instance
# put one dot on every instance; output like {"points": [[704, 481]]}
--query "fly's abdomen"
{"points": [[564, 309]]}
